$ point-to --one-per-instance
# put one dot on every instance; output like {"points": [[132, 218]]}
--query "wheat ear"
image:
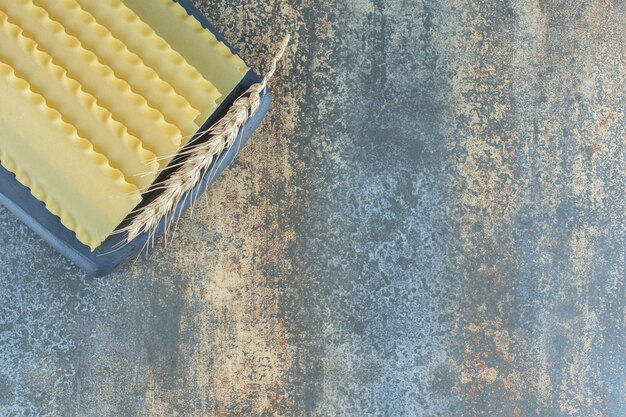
{"points": [[199, 159]]}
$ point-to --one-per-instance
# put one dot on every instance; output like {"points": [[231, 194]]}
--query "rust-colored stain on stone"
{"points": [[428, 223]]}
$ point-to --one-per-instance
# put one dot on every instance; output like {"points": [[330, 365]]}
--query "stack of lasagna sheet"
{"points": [[97, 95]]}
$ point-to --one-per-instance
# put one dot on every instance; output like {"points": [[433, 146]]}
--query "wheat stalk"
{"points": [[199, 158]]}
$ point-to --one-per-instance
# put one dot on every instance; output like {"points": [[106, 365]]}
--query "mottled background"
{"points": [[430, 222]]}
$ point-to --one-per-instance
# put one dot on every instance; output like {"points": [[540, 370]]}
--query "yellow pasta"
{"points": [[66, 185], [144, 122], [108, 137], [212, 58], [97, 96], [126, 65], [141, 39]]}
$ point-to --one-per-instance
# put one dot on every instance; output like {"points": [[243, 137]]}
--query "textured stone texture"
{"points": [[429, 223]]}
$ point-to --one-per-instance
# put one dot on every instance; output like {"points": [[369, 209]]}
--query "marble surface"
{"points": [[430, 222]]}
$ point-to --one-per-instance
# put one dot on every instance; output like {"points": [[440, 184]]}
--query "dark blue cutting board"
{"points": [[106, 258]]}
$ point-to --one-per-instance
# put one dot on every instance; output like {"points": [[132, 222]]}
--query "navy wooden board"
{"points": [[112, 254]]}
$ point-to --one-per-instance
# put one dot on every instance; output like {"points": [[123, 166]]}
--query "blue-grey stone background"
{"points": [[430, 222]]}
